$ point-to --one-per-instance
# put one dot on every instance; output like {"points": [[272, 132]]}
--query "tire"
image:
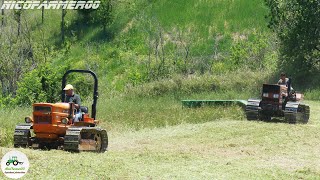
{"points": [[15, 163]]}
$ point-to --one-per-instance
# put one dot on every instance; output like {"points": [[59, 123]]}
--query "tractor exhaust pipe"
{"points": [[70, 111]]}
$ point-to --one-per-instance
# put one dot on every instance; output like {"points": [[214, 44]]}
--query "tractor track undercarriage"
{"points": [[22, 135], [295, 112], [76, 139], [85, 139]]}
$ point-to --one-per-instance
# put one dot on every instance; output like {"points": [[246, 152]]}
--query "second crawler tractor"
{"points": [[278, 101]]}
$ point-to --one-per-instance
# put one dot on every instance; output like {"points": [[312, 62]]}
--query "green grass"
{"points": [[223, 15], [313, 94], [136, 114], [8, 122], [225, 148], [199, 22]]}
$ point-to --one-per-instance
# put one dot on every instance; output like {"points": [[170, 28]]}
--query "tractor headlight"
{"points": [[64, 120], [28, 119], [276, 96], [265, 95]]}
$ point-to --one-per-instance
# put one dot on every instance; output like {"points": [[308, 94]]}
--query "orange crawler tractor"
{"points": [[52, 125]]}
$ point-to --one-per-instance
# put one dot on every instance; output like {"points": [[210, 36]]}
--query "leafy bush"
{"points": [[249, 51], [312, 94], [39, 85]]}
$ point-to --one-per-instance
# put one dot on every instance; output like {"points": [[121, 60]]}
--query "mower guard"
{"points": [[199, 103]]}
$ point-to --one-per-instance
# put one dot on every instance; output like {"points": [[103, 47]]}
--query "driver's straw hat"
{"points": [[68, 87]]}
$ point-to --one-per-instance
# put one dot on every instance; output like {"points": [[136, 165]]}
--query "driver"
{"points": [[283, 81], [71, 97]]}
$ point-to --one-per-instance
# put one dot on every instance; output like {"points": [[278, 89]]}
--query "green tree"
{"points": [[103, 13], [101, 16], [297, 25]]}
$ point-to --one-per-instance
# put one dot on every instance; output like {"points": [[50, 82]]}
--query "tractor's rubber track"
{"points": [[22, 135], [296, 112], [74, 137], [252, 109]]}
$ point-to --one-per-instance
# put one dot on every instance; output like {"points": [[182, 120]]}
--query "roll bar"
{"points": [[95, 90]]}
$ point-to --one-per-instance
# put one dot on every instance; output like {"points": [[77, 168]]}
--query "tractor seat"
{"points": [[84, 109]]}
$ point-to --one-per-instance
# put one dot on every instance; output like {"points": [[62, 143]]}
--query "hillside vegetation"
{"points": [[146, 41]]}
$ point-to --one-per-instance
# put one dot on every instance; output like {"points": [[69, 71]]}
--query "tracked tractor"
{"points": [[52, 125], [278, 101]]}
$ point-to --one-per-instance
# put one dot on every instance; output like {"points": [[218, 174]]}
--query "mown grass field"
{"points": [[203, 143]]}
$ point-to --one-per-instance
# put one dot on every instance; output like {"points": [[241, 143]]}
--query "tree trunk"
{"points": [[2, 15], [64, 12], [19, 21], [162, 51], [42, 14]]}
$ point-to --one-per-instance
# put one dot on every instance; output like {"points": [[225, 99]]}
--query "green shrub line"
{"points": [[243, 81]]}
